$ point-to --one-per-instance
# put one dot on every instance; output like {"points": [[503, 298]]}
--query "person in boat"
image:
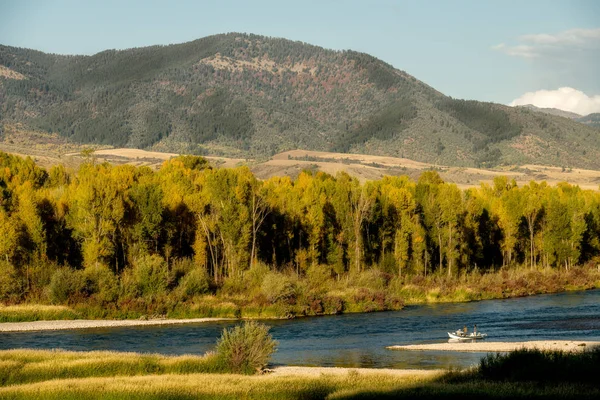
{"points": [[475, 329], [465, 330]]}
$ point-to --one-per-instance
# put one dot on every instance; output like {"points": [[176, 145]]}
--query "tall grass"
{"points": [[36, 312], [29, 374], [27, 366], [543, 366]]}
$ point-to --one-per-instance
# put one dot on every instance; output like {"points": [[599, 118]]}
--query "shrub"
{"points": [[64, 284], [179, 268], [194, 282], [9, 284], [246, 348], [318, 276], [333, 305], [371, 279], [101, 282], [278, 287], [151, 275], [542, 366], [256, 274]]}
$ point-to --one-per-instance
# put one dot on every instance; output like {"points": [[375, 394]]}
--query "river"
{"points": [[357, 340]]}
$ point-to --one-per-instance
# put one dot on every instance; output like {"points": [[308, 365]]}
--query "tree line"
{"points": [[195, 227]]}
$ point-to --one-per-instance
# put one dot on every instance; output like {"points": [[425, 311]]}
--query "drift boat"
{"points": [[460, 335]]}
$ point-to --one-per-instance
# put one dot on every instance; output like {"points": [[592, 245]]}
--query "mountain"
{"points": [[590, 119], [552, 111], [253, 96]]}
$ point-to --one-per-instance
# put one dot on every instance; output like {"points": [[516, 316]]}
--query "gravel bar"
{"points": [[90, 323], [486, 346]]}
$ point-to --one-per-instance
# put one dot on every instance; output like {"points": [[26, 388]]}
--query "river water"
{"points": [[357, 340]]}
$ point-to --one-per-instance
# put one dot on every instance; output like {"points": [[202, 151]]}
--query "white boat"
{"points": [[460, 335]]}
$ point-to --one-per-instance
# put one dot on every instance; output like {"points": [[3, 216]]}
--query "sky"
{"points": [[545, 52]]}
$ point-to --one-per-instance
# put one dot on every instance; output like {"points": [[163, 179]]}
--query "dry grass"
{"points": [[32, 374], [51, 149], [64, 375], [23, 366], [10, 74], [35, 312]]}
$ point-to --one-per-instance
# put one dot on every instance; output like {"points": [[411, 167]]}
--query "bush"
{"points": [[318, 276], [542, 366], [151, 275], [9, 284], [64, 284], [246, 348], [101, 282], [194, 282], [371, 279], [278, 287]]}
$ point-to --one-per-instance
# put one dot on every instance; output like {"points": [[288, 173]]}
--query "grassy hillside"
{"points": [[247, 95]]}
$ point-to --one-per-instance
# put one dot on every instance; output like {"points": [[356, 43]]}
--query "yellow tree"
{"points": [[97, 208], [507, 210], [532, 195], [28, 213], [352, 204], [176, 181], [8, 235], [312, 197], [405, 205], [221, 205], [451, 205]]}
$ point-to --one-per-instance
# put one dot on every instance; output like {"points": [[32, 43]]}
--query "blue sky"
{"points": [[484, 50]]}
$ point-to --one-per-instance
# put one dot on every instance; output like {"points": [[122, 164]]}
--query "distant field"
{"points": [[366, 167], [50, 149]]}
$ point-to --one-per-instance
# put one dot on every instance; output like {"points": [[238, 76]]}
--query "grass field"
{"points": [[50, 149], [32, 374]]}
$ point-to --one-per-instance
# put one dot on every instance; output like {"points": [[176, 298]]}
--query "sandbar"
{"points": [[337, 371], [499, 347], [91, 323]]}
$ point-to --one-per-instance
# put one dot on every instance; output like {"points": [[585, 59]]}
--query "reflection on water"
{"points": [[358, 340]]}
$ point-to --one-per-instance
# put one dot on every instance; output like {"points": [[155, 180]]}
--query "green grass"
{"points": [[30, 366], [33, 374]]}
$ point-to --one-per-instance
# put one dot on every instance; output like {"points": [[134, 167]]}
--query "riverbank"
{"points": [[500, 347], [341, 371], [86, 324], [64, 375]]}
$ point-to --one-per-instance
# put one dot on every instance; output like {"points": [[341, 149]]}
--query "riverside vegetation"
{"points": [[192, 241]]}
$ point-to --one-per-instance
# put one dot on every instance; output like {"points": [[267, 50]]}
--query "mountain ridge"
{"points": [[553, 111], [248, 95]]}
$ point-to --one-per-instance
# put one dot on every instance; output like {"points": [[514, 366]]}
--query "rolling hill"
{"points": [[552, 111], [241, 95]]}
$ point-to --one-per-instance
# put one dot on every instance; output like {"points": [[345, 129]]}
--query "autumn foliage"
{"points": [[190, 240]]}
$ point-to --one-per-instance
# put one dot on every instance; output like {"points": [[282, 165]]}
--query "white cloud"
{"points": [[559, 45], [565, 98], [519, 51]]}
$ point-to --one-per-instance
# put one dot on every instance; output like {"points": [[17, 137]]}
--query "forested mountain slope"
{"points": [[247, 95], [591, 119], [553, 111]]}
